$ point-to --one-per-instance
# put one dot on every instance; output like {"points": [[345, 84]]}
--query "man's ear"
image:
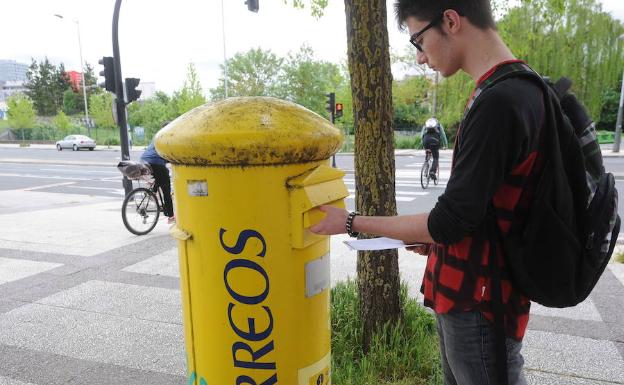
{"points": [[452, 20]]}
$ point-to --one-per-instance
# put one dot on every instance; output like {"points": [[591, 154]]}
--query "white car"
{"points": [[75, 142]]}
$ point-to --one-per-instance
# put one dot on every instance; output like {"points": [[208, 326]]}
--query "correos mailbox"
{"points": [[249, 175]]}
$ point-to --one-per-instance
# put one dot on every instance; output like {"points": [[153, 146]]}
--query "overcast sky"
{"points": [[159, 38]]}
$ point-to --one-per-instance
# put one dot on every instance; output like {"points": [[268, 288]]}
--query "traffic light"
{"points": [[331, 103], [108, 73], [132, 93], [252, 5], [338, 113]]}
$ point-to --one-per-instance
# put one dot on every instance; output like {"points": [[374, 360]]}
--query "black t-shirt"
{"points": [[498, 134]]}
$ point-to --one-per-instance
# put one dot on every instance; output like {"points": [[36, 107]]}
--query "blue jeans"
{"points": [[467, 345]]}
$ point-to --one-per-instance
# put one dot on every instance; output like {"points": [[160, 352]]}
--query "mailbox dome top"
{"points": [[248, 131]]}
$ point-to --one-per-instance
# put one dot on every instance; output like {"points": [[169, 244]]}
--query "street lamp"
{"points": [[225, 81], [84, 86], [618, 123]]}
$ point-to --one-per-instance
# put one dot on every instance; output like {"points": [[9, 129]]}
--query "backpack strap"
{"points": [[494, 235], [496, 299]]}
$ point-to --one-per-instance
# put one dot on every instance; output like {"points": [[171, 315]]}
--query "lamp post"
{"points": [[618, 123], [225, 81], [84, 86]]}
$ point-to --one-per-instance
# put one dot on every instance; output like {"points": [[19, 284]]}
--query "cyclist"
{"points": [[432, 138], [161, 177]]}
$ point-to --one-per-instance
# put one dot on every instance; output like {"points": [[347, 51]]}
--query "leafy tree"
{"points": [[91, 88], [62, 123], [411, 101], [152, 113], [71, 101], [21, 111], [306, 81], [608, 115], [191, 95], [371, 85], [46, 85], [101, 110], [573, 38], [254, 73]]}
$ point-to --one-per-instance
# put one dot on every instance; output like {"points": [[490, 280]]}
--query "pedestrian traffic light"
{"points": [[108, 73], [252, 5], [331, 103], [132, 93], [338, 113]]}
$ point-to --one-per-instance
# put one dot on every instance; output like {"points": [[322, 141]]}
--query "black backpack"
{"points": [[562, 249], [559, 254], [433, 131]]}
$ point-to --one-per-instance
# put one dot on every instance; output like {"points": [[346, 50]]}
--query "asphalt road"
{"points": [[95, 173]]}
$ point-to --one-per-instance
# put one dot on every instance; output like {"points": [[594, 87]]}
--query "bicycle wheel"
{"points": [[424, 175], [140, 211], [437, 178]]}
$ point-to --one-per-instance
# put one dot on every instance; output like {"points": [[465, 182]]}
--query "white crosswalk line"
{"points": [[398, 199], [417, 193]]}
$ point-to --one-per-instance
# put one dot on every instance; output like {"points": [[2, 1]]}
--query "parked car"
{"points": [[75, 142]]}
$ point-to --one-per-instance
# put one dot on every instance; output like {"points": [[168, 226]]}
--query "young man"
{"points": [[493, 159]]}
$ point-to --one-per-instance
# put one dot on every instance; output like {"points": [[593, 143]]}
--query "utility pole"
{"points": [[120, 102], [331, 108], [618, 123], [82, 69], [225, 80]]}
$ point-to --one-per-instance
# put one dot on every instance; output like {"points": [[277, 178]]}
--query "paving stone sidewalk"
{"points": [[82, 301]]}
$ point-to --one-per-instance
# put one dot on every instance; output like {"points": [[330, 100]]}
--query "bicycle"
{"points": [[425, 176], [142, 206]]}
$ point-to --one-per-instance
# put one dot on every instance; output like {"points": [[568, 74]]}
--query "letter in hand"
{"points": [[333, 223]]}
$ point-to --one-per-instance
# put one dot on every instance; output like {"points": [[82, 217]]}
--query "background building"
{"points": [[12, 79]]}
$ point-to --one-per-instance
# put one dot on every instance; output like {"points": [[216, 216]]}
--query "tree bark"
{"points": [[371, 88]]}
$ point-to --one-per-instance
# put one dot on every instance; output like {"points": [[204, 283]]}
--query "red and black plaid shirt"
{"points": [[495, 160]]}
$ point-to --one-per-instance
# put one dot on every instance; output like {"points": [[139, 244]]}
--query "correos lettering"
{"points": [[243, 355]]}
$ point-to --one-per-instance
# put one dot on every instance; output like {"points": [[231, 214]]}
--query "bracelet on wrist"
{"points": [[349, 224]]}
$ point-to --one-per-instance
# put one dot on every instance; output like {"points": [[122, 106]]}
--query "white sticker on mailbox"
{"points": [[197, 188], [317, 276]]}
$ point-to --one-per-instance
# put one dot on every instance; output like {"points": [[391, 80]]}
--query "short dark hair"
{"points": [[478, 12]]}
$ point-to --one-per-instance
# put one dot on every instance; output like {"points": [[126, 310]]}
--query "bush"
{"points": [[403, 354], [111, 141], [403, 141], [347, 145]]}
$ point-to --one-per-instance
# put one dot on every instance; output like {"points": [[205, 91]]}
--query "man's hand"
{"points": [[422, 250], [333, 223]]}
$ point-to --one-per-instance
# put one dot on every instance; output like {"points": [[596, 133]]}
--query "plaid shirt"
{"points": [[457, 276]]}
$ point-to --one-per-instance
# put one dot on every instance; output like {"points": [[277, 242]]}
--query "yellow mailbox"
{"points": [[249, 175]]}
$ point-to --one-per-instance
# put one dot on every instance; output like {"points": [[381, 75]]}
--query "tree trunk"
{"points": [[371, 87]]}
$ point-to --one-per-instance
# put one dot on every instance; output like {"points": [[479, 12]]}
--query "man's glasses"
{"points": [[414, 38]]}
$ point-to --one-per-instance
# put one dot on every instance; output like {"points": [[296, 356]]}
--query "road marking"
{"points": [[403, 184], [47, 186], [398, 199], [117, 191], [80, 171], [417, 193], [54, 177]]}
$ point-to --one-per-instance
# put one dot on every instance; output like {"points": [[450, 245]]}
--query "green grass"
{"points": [[619, 257], [401, 141], [404, 354]]}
